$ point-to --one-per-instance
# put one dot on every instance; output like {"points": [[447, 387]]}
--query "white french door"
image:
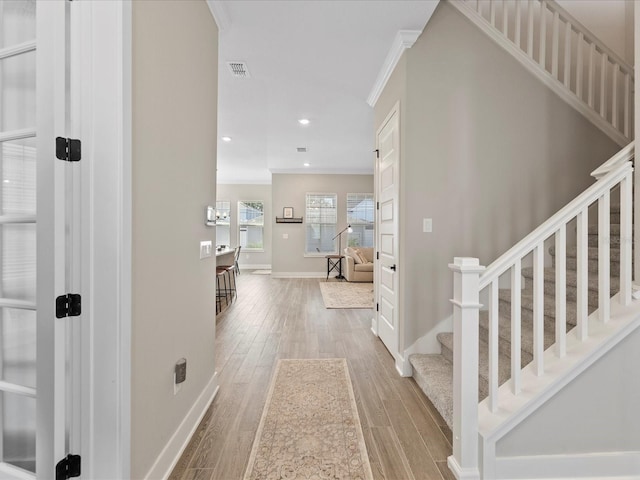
{"points": [[34, 230]]}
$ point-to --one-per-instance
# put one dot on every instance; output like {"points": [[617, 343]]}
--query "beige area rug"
{"points": [[347, 295], [310, 427]]}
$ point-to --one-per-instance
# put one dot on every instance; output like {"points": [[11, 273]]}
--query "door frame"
{"points": [[101, 39], [402, 366]]}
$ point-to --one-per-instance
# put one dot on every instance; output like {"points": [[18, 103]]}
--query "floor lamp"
{"points": [[339, 237]]}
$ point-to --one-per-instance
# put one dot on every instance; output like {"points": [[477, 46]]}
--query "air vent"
{"points": [[239, 69], [302, 149]]}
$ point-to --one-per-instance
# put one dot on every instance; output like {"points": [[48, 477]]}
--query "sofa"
{"points": [[355, 270]]}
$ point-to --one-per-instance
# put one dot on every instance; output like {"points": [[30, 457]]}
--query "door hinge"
{"points": [[69, 305], [377, 307], [377, 255], [377, 205], [68, 149], [377, 153], [68, 467]]}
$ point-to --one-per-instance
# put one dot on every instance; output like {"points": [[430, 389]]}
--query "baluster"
{"points": [[516, 327], [492, 12], [603, 79], [538, 309], [582, 271], [626, 239], [592, 68], [567, 55], [505, 18], [579, 65], [614, 96], [554, 44], [604, 291], [543, 35], [494, 341], [530, 29], [561, 291], [466, 275], [627, 94], [518, 22]]}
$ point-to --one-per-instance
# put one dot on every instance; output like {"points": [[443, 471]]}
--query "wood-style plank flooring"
{"points": [[406, 438]]}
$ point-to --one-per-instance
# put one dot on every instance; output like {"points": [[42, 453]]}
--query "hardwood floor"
{"points": [[406, 438]]}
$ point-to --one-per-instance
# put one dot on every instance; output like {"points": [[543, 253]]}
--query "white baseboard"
{"points": [[403, 366], [300, 275], [462, 473], [594, 466], [429, 343], [259, 266], [174, 448]]}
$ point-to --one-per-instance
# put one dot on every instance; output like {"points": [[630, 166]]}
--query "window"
{"points": [[360, 215], [321, 219], [251, 225], [223, 230]]}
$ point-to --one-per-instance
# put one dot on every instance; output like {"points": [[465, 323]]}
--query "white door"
{"points": [[387, 186], [33, 342]]}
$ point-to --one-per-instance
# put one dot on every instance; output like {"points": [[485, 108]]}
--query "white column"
{"points": [[466, 306], [636, 209]]}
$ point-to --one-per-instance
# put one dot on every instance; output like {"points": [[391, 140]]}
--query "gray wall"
{"points": [[289, 190], [174, 94], [603, 399], [235, 193], [487, 151]]}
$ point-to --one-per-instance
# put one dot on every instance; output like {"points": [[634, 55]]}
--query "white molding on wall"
{"points": [[300, 275], [176, 445], [404, 39], [220, 14], [594, 466], [257, 266]]}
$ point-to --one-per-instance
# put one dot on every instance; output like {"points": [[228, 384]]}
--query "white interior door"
{"points": [[33, 342], [387, 187]]}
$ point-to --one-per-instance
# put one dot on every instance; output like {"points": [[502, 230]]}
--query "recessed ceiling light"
{"points": [[303, 121], [226, 139], [307, 164]]}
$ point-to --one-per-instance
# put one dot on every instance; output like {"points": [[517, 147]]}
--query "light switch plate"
{"points": [[285, 236], [206, 249], [427, 225]]}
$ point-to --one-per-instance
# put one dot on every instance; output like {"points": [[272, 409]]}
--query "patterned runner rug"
{"points": [[347, 295], [310, 427]]}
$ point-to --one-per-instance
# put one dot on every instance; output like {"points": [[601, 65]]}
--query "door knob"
{"points": [[393, 267]]}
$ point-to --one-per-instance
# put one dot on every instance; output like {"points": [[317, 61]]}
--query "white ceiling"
{"points": [[315, 59]]}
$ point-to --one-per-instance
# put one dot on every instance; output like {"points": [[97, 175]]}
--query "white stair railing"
{"points": [[471, 280], [565, 55]]}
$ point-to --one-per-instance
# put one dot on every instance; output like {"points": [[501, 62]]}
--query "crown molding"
{"points": [[220, 14], [404, 39]]}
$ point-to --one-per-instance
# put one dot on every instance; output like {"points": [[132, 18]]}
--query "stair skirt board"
{"points": [[605, 465]]}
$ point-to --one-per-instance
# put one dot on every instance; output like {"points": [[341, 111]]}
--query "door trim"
{"points": [[103, 36]]}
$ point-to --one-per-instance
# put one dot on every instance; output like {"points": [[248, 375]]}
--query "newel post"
{"points": [[466, 306]]}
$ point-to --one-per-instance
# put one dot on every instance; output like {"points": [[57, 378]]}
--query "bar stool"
{"points": [[221, 287]]}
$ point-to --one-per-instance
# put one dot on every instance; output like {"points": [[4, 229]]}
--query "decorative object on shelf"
{"points": [[339, 237], [210, 218], [288, 220], [224, 215], [287, 212]]}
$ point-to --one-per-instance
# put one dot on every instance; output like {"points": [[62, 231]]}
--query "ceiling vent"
{"points": [[302, 149], [239, 69]]}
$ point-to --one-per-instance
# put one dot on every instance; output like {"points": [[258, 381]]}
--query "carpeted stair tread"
{"points": [[504, 363], [526, 302], [434, 375], [572, 252], [504, 335], [571, 282]]}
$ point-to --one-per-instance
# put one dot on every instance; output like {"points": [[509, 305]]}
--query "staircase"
{"points": [[542, 314], [434, 373]]}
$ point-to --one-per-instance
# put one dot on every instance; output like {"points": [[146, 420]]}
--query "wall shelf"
{"points": [[288, 220]]}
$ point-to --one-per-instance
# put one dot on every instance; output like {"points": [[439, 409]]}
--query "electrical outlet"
{"points": [[179, 375], [427, 225]]}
